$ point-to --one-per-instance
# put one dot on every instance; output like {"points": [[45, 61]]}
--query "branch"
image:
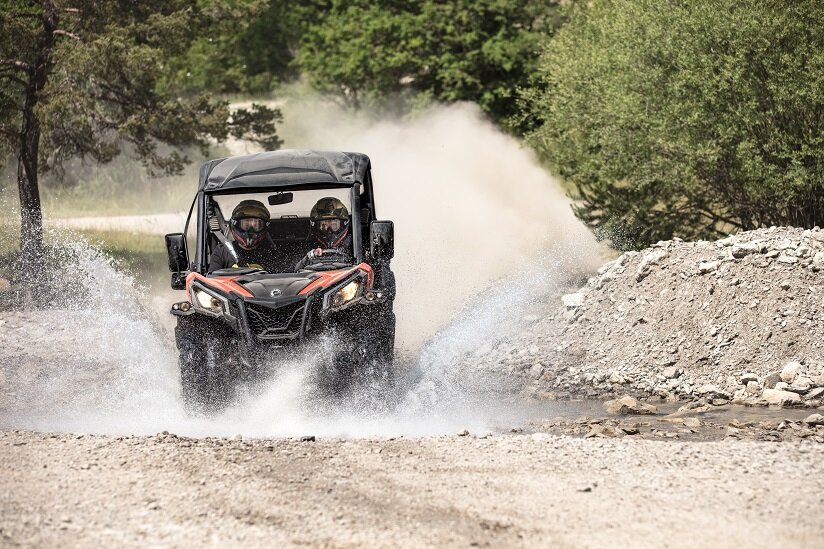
{"points": [[71, 10], [67, 33], [22, 65]]}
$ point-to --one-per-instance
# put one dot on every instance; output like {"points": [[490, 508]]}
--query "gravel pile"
{"points": [[738, 320]]}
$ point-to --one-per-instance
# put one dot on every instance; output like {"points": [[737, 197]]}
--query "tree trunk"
{"points": [[31, 216]]}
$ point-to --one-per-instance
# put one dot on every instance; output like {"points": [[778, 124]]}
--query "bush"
{"points": [[685, 118]]}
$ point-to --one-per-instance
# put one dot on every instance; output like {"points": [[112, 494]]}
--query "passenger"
{"points": [[330, 232], [252, 244]]}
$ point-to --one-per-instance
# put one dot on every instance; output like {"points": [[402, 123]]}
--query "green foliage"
{"points": [[100, 91], [251, 53], [474, 50], [686, 118]]}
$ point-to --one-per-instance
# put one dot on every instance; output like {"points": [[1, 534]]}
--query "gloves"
{"points": [[311, 254]]}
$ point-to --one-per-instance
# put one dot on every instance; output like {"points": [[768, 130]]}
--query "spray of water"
{"points": [[484, 236]]}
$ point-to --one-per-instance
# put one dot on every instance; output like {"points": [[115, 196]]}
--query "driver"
{"points": [[252, 246], [330, 233]]}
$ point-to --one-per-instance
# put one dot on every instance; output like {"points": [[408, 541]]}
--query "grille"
{"points": [[274, 323]]}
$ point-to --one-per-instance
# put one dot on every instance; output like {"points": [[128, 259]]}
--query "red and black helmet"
{"points": [[329, 209], [248, 224]]}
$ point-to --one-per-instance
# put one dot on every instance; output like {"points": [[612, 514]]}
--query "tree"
{"points": [[685, 118], [252, 54], [80, 79], [475, 50]]}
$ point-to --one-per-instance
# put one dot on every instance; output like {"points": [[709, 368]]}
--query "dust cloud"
{"points": [[473, 209]]}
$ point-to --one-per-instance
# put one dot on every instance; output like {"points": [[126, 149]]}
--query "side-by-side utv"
{"points": [[236, 320]]}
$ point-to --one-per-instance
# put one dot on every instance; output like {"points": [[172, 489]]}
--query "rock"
{"points": [[771, 379], [775, 396], [797, 387], [814, 419], [536, 371], [705, 267], [781, 386], [604, 431], [742, 250], [307, 438], [747, 377], [790, 371], [692, 422], [237, 437], [712, 392], [615, 377], [572, 301], [671, 372], [647, 262], [629, 405], [753, 387], [787, 259], [814, 393]]}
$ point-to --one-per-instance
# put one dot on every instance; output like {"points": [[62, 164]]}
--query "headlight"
{"points": [[346, 294], [207, 302]]}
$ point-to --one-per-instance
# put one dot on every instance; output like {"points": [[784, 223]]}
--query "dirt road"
{"points": [[513, 490]]}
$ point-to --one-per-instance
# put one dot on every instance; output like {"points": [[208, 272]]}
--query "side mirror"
{"points": [[176, 248], [382, 240]]}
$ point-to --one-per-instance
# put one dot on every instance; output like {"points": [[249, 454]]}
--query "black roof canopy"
{"points": [[283, 168]]}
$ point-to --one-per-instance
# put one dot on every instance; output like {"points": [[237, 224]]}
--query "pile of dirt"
{"points": [[740, 319]]}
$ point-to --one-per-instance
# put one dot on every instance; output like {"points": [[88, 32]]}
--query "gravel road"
{"points": [[512, 490]]}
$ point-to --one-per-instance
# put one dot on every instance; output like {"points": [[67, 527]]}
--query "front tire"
{"points": [[206, 357]]}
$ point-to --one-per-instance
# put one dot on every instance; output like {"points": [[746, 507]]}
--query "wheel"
{"points": [[207, 358], [371, 360]]}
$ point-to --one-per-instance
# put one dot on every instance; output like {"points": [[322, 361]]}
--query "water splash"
{"points": [[96, 362]]}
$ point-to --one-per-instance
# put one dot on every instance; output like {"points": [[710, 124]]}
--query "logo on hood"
{"points": [[276, 292]]}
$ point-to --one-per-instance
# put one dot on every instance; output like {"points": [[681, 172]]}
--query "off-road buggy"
{"points": [[235, 322]]}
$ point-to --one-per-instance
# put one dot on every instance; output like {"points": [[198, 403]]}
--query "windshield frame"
{"points": [[204, 197]]}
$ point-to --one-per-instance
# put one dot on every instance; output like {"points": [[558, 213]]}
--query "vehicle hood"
{"points": [[276, 285]]}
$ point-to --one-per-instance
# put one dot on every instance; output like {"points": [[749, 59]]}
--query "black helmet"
{"points": [[329, 208], [249, 234]]}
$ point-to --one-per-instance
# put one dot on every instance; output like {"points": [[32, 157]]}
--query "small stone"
{"points": [[814, 419], [237, 438], [629, 405], [307, 438], [787, 259], [790, 371], [671, 372], [615, 377], [749, 376], [771, 379], [711, 391], [692, 422], [604, 431], [742, 250], [705, 267], [753, 387], [646, 263], [463, 433], [776, 396]]}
